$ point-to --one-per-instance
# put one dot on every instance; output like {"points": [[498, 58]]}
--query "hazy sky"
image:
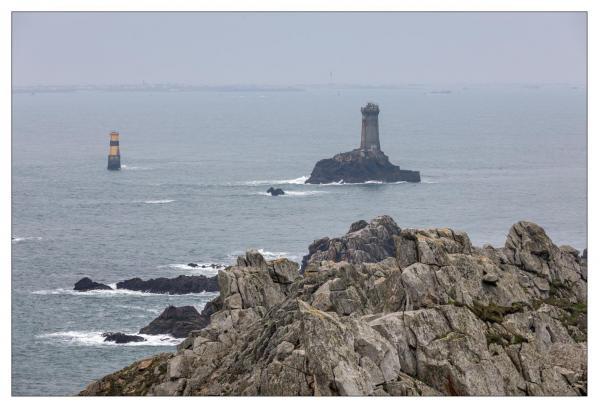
{"points": [[298, 48]]}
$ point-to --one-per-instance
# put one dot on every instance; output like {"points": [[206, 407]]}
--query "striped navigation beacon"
{"points": [[114, 155]]}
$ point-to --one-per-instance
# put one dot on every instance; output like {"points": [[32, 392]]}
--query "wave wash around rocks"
{"points": [[385, 311]]}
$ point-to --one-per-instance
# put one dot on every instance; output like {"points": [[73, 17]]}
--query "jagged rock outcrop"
{"points": [[86, 284], [437, 316], [365, 242], [359, 166], [176, 321], [180, 285]]}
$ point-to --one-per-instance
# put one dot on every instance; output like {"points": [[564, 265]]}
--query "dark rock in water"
{"points": [[215, 266], [177, 321], [359, 166], [212, 265], [174, 286], [365, 242], [368, 163], [122, 338], [86, 284], [275, 191]]}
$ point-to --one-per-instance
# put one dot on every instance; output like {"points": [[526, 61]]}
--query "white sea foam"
{"points": [[343, 183], [207, 270], [94, 338], [270, 255], [158, 201], [129, 168], [141, 308], [114, 293], [21, 239], [299, 180]]}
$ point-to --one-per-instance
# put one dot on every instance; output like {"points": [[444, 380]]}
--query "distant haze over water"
{"points": [[298, 48]]}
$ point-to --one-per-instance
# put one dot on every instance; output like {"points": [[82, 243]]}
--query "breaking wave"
{"points": [[115, 293], [201, 269], [343, 183], [94, 338], [140, 308], [299, 180], [270, 255]]}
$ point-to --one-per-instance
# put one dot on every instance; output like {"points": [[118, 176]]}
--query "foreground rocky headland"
{"points": [[386, 311]]}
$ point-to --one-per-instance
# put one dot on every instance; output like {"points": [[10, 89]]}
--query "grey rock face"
{"points": [[365, 242], [434, 316]]}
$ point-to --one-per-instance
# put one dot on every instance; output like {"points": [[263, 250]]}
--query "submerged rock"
{"points": [[180, 285], [193, 265], [122, 338], [176, 321], [437, 316], [86, 284], [275, 191]]}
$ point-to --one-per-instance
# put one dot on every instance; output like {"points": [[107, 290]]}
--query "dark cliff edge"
{"points": [[386, 311], [359, 166]]}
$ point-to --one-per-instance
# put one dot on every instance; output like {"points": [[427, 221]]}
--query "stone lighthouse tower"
{"points": [[114, 155], [370, 127]]}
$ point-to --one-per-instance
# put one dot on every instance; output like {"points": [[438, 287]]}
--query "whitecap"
{"points": [[126, 167], [21, 239], [158, 201], [95, 338]]}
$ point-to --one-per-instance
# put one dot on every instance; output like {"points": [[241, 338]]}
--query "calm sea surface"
{"points": [[196, 166]]}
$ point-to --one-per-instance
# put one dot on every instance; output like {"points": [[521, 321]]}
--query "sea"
{"points": [[192, 188]]}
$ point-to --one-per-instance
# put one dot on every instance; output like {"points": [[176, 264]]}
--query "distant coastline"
{"points": [[176, 87]]}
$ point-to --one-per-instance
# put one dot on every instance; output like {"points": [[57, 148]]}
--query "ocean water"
{"points": [[192, 189]]}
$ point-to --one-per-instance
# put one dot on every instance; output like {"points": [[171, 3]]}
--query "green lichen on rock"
{"points": [[494, 313]]}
